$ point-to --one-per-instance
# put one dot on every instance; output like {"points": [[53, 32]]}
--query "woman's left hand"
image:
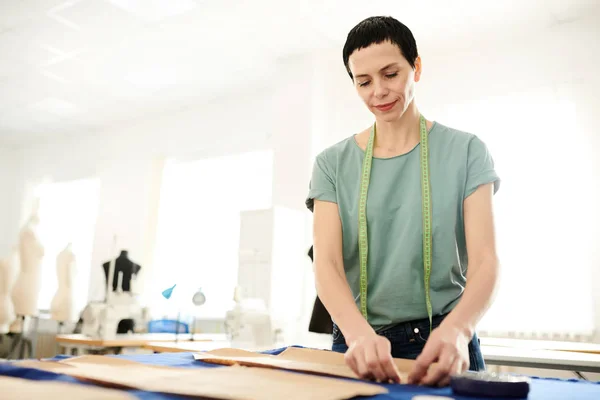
{"points": [[447, 345]]}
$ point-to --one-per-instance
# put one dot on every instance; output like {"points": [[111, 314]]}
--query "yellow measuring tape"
{"points": [[363, 242]]}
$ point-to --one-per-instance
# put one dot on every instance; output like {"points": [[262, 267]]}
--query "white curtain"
{"points": [[198, 229], [544, 234]]}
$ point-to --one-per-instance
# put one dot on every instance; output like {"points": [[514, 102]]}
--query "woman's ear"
{"points": [[418, 69]]}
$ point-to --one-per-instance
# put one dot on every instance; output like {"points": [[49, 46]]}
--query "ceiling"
{"points": [[79, 66]]}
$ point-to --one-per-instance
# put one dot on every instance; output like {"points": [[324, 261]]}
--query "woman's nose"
{"points": [[380, 89]]}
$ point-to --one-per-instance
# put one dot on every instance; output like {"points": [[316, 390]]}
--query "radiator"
{"points": [[43, 337], [566, 337]]}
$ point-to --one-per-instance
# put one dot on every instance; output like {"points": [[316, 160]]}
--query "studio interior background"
{"points": [[184, 134]]}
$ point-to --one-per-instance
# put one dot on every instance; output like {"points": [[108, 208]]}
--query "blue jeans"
{"points": [[409, 338]]}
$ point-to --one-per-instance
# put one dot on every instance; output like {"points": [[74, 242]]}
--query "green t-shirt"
{"points": [[459, 162]]}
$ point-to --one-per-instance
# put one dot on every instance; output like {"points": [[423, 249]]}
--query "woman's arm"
{"points": [[332, 286], [483, 269], [368, 355], [448, 344]]}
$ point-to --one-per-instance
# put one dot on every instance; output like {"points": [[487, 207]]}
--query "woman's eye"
{"points": [[363, 84], [392, 75]]}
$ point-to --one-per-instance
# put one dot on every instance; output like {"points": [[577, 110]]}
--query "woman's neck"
{"points": [[399, 134]]}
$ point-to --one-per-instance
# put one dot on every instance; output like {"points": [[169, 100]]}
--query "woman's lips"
{"points": [[386, 107]]}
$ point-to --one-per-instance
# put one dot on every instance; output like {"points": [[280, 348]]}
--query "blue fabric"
{"points": [[541, 389]]}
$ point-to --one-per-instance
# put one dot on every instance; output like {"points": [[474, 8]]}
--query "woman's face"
{"points": [[384, 80]]}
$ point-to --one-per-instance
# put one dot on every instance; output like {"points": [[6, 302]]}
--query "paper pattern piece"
{"points": [[233, 383], [18, 389], [322, 362]]}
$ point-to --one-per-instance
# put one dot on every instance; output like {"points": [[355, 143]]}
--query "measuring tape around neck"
{"points": [[363, 242]]}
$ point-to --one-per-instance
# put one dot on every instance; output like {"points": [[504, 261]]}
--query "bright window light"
{"points": [[68, 212], [198, 228], [542, 210]]}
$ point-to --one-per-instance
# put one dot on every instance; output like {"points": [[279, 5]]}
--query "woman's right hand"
{"points": [[370, 357]]}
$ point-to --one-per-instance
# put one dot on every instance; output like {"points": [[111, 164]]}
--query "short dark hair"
{"points": [[375, 30]]}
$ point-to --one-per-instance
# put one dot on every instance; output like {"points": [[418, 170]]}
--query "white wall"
{"points": [[10, 195], [5, 166]]}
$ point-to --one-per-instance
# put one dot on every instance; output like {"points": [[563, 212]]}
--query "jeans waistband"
{"points": [[421, 324], [405, 331]]}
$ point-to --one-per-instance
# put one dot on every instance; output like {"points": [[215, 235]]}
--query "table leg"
{"points": [[580, 375]]}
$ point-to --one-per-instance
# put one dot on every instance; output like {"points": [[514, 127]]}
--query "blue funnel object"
{"points": [[168, 292]]}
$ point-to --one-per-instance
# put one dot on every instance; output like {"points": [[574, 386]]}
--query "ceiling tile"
{"points": [[15, 48], [96, 16], [564, 11], [14, 14], [70, 71], [54, 106], [95, 24], [27, 120], [155, 10], [26, 89]]}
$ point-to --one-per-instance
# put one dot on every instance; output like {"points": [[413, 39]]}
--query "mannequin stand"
{"points": [[18, 345], [13, 340], [34, 335], [25, 344], [57, 348]]}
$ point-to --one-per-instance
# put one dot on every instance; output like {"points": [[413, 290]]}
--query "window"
{"points": [[543, 232], [198, 228], [67, 213]]}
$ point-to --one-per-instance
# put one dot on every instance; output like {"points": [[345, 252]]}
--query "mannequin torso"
{"points": [[125, 272], [26, 290], [61, 308], [126, 267]]}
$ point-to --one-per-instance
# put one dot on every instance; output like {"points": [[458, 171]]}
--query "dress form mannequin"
{"points": [[124, 266], [8, 273], [27, 288], [61, 308], [124, 271]]}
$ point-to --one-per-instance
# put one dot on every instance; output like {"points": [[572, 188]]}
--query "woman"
{"points": [[413, 199]]}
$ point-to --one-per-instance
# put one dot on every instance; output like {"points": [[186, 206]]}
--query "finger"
{"points": [[373, 363], [441, 370], [462, 367], [457, 368], [445, 381], [351, 362], [387, 362], [361, 364], [428, 355]]}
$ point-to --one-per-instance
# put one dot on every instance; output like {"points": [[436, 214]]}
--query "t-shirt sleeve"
{"points": [[322, 182], [480, 167]]}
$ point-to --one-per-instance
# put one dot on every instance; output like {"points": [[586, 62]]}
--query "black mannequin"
{"points": [[124, 265], [128, 268]]}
